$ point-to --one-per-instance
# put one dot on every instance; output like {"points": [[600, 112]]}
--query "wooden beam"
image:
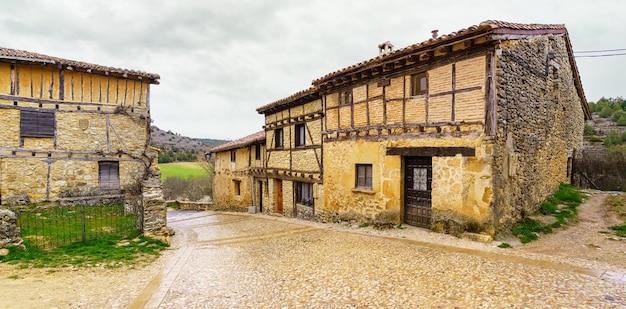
{"points": [[432, 151]]}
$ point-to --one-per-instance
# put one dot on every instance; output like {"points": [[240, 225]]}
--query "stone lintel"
{"points": [[432, 151]]}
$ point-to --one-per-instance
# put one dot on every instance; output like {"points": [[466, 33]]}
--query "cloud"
{"points": [[221, 59]]}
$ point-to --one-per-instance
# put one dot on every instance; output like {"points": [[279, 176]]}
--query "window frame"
{"points": [[237, 186], [108, 175], [300, 135], [37, 123], [304, 194], [279, 138], [346, 97], [417, 88], [257, 152], [363, 173], [233, 156]]}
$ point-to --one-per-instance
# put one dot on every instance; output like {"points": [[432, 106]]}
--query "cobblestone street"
{"points": [[231, 260]]}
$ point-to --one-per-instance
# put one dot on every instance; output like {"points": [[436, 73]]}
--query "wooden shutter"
{"points": [[37, 123], [109, 175]]}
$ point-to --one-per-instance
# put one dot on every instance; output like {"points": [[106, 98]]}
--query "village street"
{"points": [[231, 260]]}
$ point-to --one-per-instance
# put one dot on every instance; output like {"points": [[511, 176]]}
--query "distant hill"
{"points": [[175, 147]]}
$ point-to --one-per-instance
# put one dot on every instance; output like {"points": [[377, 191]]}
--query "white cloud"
{"points": [[221, 59]]}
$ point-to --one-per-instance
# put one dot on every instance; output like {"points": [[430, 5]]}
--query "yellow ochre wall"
{"points": [[362, 132], [97, 118]]}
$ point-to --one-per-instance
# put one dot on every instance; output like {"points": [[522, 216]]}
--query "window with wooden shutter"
{"points": [[109, 175], [300, 135], [419, 84], [37, 123]]}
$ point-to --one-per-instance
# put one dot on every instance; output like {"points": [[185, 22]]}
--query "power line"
{"points": [[599, 51], [596, 56]]}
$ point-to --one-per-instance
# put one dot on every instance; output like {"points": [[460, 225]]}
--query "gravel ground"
{"points": [[226, 260]]}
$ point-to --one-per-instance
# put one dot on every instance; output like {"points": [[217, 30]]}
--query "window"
{"points": [[257, 152], [109, 175], [278, 138], [419, 84], [364, 176], [233, 156], [304, 193], [300, 135], [237, 187], [345, 97], [37, 123]]}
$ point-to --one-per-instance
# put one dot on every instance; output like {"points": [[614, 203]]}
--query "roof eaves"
{"points": [[251, 139], [303, 96], [26, 56]]}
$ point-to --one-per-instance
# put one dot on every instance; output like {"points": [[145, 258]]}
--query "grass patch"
{"points": [[50, 226], [562, 205], [620, 230], [110, 251], [504, 245], [183, 170]]}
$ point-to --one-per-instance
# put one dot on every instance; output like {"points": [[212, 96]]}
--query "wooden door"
{"points": [[279, 196], [418, 178], [260, 195]]}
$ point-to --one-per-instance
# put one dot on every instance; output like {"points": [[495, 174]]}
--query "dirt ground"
{"points": [[589, 239], [96, 287]]}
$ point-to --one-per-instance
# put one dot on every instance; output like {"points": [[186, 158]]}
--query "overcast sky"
{"points": [[220, 60]]}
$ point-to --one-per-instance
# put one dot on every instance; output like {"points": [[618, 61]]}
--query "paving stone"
{"points": [[258, 261]]}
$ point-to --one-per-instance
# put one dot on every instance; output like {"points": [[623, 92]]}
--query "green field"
{"points": [[182, 169]]}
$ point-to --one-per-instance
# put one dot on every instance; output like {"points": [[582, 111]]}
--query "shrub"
{"points": [[596, 139], [193, 188], [613, 138], [589, 131], [617, 115]]}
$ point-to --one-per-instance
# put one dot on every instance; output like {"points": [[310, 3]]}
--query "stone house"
{"points": [[237, 166], [293, 127], [71, 129], [465, 132]]}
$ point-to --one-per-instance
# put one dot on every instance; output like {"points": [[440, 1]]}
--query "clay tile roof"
{"points": [[242, 142], [22, 55], [484, 27], [310, 93]]}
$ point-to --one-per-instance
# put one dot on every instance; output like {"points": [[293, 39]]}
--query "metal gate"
{"points": [[418, 178]]}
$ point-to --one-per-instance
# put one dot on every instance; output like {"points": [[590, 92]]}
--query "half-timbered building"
{"points": [[293, 128], [465, 132], [237, 175], [71, 128]]}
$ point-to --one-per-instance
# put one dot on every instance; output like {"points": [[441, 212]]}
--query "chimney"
{"points": [[385, 48], [434, 32]]}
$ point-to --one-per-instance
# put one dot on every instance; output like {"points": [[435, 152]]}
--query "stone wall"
{"points": [[539, 124], [230, 174], [9, 231], [154, 215], [462, 186]]}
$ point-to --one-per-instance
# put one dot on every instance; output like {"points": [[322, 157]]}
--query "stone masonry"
{"points": [[9, 231]]}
